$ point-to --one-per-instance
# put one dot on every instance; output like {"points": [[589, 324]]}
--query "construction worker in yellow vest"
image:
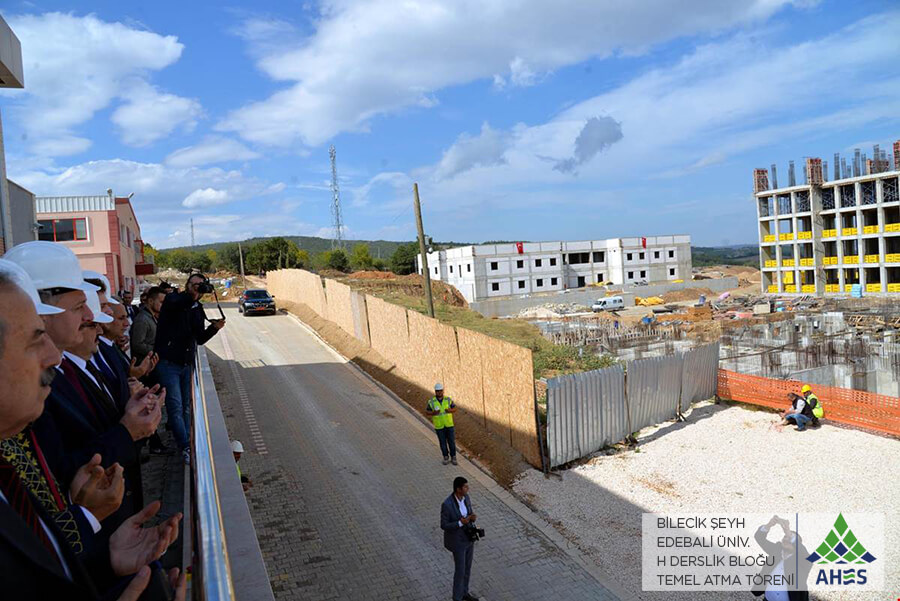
{"points": [[818, 410], [440, 409]]}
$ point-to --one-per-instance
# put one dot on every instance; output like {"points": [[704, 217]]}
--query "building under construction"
{"points": [[838, 236]]}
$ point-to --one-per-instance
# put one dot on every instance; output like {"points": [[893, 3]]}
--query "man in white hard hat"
{"points": [[237, 449], [85, 425], [38, 559], [440, 409]]}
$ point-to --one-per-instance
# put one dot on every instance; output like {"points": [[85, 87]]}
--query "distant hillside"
{"points": [[377, 248], [747, 254]]}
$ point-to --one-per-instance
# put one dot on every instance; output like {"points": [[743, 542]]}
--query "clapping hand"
{"points": [[132, 546], [139, 370], [98, 490], [143, 412]]}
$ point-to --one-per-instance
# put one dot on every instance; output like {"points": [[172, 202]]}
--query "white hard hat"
{"points": [[236, 446], [438, 386], [50, 265], [96, 275], [23, 281], [93, 303]]}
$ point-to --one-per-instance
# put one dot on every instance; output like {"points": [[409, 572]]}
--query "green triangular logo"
{"points": [[841, 546]]}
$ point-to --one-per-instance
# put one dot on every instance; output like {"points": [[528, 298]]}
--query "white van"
{"points": [[610, 303]]}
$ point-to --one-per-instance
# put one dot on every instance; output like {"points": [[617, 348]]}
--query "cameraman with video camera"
{"points": [[179, 330], [460, 534]]}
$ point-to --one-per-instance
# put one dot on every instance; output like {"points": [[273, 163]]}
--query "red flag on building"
{"points": [[520, 247], [643, 243]]}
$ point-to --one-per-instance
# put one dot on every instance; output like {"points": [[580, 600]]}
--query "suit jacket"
{"points": [[775, 551], [143, 334], [74, 415], [455, 538], [113, 357], [30, 570]]}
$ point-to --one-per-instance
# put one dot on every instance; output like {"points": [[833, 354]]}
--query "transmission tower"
{"points": [[192, 233], [337, 240]]}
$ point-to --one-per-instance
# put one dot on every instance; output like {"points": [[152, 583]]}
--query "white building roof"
{"points": [[73, 204]]}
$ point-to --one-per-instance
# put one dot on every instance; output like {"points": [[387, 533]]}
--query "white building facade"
{"points": [[501, 270]]}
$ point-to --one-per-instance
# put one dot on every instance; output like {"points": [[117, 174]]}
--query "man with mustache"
{"points": [[38, 561]]}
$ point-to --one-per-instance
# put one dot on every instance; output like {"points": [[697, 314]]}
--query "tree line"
{"points": [[280, 253]]}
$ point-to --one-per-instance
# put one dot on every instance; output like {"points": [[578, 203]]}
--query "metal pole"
{"points": [[241, 257], [422, 251]]}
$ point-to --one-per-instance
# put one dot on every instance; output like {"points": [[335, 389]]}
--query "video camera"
{"points": [[205, 287], [473, 533]]}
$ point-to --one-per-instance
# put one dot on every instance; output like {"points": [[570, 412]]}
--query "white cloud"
{"points": [[678, 119], [396, 181], [483, 150], [149, 115], [75, 67], [205, 197], [210, 151], [380, 56]]}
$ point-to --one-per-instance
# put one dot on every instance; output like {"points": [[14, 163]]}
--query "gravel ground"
{"points": [[724, 458]]}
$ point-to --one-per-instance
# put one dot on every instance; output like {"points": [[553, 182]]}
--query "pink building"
{"points": [[102, 230]]}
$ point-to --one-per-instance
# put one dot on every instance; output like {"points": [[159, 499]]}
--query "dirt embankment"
{"points": [[385, 283], [504, 462]]}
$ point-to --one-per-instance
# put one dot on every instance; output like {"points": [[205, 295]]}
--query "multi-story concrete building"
{"points": [[11, 76], [496, 270], [833, 237], [101, 230]]}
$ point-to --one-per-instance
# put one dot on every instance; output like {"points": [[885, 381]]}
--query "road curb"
{"points": [[484, 477]]}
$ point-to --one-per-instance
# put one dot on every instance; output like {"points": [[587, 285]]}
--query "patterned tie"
{"points": [[19, 500], [22, 453]]}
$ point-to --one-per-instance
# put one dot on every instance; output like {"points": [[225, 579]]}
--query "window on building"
{"points": [[628, 256], [630, 275], [539, 283], [468, 268], [671, 254], [435, 270], [521, 284], [63, 230], [599, 277], [520, 264], [553, 281], [579, 258], [643, 274], [495, 287], [655, 254], [493, 265], [599, 256], [538, 262], [451, 269], [552, 262], [671, 271], [641, 256]]}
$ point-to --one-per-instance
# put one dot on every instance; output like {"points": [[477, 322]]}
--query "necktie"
{"points": [[106, 398], [108, 375], [24, 455], [20, 501]]}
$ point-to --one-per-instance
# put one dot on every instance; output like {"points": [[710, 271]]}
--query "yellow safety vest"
{"points": [[818, 411], [443, 419]]}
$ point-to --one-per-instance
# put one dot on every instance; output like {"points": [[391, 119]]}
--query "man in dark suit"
{"points": [[457, 518], [38, 562]]}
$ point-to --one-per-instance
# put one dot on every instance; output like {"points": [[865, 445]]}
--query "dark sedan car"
{"points": [[256, 301]]}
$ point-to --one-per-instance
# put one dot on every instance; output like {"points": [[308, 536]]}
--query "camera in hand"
{"points": [[473, 533]]}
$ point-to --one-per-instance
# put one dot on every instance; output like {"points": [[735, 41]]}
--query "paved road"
{"points": [[348, 485]]}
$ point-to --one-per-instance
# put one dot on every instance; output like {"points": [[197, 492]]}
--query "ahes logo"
{"points": [[841, 547]]}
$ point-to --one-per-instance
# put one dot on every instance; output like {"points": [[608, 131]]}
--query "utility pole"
{"points": [[423, 250], [241, 257]]}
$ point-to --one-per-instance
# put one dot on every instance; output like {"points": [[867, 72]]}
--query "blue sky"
{"points": [[519, 120]]}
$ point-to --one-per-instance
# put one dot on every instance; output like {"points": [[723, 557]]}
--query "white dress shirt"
{"points": [[463, 510]]}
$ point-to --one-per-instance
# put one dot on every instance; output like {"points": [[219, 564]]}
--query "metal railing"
{"points": [[211, 577], [224, 549]]}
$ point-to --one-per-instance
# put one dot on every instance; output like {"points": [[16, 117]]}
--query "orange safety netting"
{"points": [[854, 407]]}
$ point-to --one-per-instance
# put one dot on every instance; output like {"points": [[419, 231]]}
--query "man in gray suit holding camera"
{"points": [[460, 534]]}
